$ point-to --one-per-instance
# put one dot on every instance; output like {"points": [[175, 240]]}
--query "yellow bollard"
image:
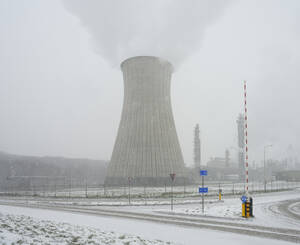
{"points": [[244, 210], [220, 194], [247, 209]]}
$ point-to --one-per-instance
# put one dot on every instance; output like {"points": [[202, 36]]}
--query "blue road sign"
{"points": [[203, 189], [203, 172], [244, 199]]}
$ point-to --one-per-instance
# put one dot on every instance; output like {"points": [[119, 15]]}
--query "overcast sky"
{"points": [[61, 89]]}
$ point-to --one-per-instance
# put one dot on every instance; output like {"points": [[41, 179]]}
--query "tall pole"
{"points": [[246, 139]]}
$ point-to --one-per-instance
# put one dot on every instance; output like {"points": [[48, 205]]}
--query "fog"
{"points": [[122, 29], [61, 90]]}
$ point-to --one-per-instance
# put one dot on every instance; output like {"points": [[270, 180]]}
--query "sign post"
{"points": [[203, 189], [172, 176], [129, 181]]}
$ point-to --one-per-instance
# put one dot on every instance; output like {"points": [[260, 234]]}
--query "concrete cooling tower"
{"points": [[147, 148]]}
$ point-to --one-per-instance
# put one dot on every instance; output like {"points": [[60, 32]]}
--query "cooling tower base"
{"points": [[147, 142], [145, 181]]}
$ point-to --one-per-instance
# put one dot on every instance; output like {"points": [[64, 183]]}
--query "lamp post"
{"points": [[265, 181]]}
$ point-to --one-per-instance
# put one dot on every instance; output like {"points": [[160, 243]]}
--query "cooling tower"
{"points": [[146, 149]]}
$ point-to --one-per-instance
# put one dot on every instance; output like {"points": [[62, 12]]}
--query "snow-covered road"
{"points": [[185, 230], [145, 230]]}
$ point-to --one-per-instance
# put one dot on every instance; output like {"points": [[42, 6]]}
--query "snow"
{"points": [[20, 229], [27, 224], [295, 208], [105, 230], [265, 209], [143, 193]]}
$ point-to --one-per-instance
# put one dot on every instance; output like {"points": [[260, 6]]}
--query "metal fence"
{"points": [[86, 190]]}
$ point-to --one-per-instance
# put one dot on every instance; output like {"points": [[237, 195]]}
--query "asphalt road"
{"points": [[291, 235], [290, 208]]}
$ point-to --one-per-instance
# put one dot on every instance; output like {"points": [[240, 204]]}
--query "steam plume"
{"points": [[171, 29]]}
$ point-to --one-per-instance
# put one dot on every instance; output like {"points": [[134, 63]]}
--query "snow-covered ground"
{"points": [[56, 227], [295, 208], [23, 229], [265, 209]]}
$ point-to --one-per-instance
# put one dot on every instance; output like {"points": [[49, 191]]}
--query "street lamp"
{"points": [[265, 181]]}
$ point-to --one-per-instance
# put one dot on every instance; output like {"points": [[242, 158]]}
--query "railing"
{"points": [[100, 191]]}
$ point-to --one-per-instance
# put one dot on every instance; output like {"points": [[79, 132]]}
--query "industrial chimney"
{"points": [[146, 150]]}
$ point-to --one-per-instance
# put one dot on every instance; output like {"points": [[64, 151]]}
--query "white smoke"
{"points": [[171, 29]]}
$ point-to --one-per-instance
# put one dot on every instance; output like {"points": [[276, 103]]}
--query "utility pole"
{"points": [[265, 180]]}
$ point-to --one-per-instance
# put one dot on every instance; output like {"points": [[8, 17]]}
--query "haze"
{"points": [[61, 88]]}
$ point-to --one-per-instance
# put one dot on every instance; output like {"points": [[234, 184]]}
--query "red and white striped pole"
{"points": [[246, 140]]}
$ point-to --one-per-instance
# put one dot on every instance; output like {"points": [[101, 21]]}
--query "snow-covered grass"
{"points": [[265, 209], [82, 226], [22, 229], [228, 208]]}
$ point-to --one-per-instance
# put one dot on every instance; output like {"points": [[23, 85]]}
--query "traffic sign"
{"points": [[203, 189], [203, 172], [172, 176], [244, 199]]}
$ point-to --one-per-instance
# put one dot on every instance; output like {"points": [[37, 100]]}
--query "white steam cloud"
{"points": [[171, 29]]}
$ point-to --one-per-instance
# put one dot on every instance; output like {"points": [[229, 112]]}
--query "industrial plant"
{"points": [[146, 149]]}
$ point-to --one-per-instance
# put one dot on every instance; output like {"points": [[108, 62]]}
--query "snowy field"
{"points": [[41, 226], [23, 229], [34, 226]]}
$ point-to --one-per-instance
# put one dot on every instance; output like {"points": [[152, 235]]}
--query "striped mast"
{"points": [[246, 140]]}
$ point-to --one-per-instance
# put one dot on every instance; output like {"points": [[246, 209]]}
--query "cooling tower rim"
{"points": [[161, 60]]}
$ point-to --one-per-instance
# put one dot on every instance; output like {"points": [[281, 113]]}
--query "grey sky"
{"points": [[60, 95]]}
